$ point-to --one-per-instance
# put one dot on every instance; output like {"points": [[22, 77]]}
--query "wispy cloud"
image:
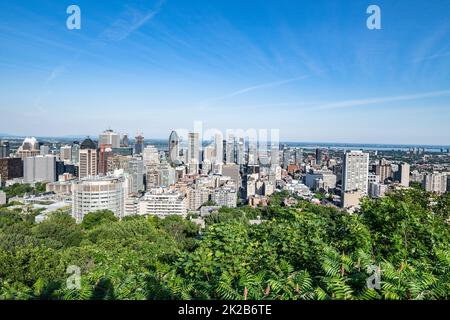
{"points": [[380, 100], [55, 73], [432, 57], [254, 88], [131, 20]]}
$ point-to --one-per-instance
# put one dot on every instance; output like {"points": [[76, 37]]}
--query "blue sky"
{"points": [[309, 68]]}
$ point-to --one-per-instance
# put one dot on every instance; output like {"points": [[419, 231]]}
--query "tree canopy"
{"points": [[305, 251]]}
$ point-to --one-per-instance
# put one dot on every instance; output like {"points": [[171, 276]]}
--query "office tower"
{"points": [[209, 154], [65, 153], [225, 197], [98, 193], [4, 149], [384, 170], [39, 169], [435, 182], [109, 137], [403, 170], [29, 148], [162, 203], [319, 155], [355, 171], [44, 150], [232, 170], [218, 146], [274, 156], [139, 144], [136, 175], [87, 159], [224, 148], [286, 158], [10, 168], [231, 149], [104, 153], [193, 152], [75, 152], [240, 151], [298, 156], [174, 147], [125, 141], [252, 152], [150, 155]]}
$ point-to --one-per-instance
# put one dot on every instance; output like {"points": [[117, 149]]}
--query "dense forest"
{"points": [[304, 251]]}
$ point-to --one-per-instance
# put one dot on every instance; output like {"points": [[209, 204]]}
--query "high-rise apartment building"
{"points": [[225, 196], [384, 170], [355, 171], [161, 202], [196, 197], [403, 170], [435, 182]]}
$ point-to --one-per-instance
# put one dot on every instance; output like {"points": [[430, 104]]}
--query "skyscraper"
{"points": [[231, 149], [136, 175], [174, 147], [218, 146], [4, 149], [240, 151], [318, 156], [125, 140], [109, 137], [75, 152], [252, 151], [87, 159], [139, 144], [65, 153], [193, 152], [104, 153], [298, 156], [355, 171]]}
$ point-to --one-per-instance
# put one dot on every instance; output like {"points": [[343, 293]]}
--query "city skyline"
{"points": [[311, 69]]}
